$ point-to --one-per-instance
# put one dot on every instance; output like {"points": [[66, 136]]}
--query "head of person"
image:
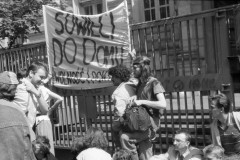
{"points": [[41, 147], [212, 152], [220, 104], [181, 140], [119, 74], [22, 73], [122, 154], [77, 146], [8, 85], [95, 138], [37, 72], [141, 68]]}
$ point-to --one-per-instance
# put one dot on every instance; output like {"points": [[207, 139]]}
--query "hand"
{"points": [[131, 100], [29, 86], [137, 103]]}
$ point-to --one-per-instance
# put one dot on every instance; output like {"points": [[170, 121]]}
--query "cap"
{"points": [[141, 60], [8, 77]]}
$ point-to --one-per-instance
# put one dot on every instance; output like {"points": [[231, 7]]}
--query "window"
{"points": [[91, 8], [88, 10], [149, 10], [99, 8], [156, 9], [164, 8]]}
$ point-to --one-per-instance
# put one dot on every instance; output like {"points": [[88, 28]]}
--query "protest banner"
{"points": [[81, 48]]}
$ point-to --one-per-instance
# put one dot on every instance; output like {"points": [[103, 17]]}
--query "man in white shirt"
{"points": [[27, 97], [181, 149]]}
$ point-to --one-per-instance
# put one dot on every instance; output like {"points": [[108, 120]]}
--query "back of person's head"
{"points": [[213, 152], [78, 146], [186, 133], [121, 72], [122, 154], [144, 63], [35, 66], [22, 73], [8, 85], [232, 157], [221, 101], [95, 137], [41, 147]]}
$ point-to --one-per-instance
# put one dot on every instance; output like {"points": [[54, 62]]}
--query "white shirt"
{"points": [[94, 154], [27, 102], [121, 97]]}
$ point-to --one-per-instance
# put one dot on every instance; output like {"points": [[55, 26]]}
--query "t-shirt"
{"points": [[121, 97], [148, 91], [94, 154], [27, 102]]}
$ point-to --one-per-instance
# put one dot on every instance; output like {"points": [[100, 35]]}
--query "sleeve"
{"points": [[121, 97], [119, 104], [157, 87], [22, 97]]}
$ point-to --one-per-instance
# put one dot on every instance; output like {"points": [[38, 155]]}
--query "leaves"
{"points": [[20, 18]]}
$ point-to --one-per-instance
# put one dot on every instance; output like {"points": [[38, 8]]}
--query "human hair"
{"points": [[78, 146], [121, 72], [22, 73], [222, 101], [95, 137], [35, 66], [216, 151], [144, 63], [186, 132], [42, 145], [6, 91], [122, 154], [232, 157]]}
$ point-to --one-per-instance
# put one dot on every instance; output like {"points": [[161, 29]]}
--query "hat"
{"points": [[7, 77], [141, 60]]}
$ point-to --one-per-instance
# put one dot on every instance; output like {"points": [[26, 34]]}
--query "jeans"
{"points": [[116, 128], [142, 140], [15, 141]]}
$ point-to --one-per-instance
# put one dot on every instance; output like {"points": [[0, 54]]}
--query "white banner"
{"points": [[81, 48]]}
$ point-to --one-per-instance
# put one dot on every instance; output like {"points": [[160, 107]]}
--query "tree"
{"points": [[19, 18]]}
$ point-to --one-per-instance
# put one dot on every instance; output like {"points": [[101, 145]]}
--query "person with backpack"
{"points": [[150, 97], [120, 76]]}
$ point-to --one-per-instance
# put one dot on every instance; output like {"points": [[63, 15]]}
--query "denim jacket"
{"points": [[15, 141]]}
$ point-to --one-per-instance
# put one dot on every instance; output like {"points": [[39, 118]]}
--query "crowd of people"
{"points": [[26, 128], [140, 88]]}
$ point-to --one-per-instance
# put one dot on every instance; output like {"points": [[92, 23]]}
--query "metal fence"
{"points": [[189, 55]]}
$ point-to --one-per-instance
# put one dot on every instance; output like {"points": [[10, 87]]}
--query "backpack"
{"points": [[137, 119]]}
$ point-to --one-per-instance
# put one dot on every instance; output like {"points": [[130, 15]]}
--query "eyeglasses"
{"points": [[177, 140]]}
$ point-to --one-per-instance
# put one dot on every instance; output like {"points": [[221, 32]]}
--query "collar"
{"points": [[186, 153], [10, 104]]}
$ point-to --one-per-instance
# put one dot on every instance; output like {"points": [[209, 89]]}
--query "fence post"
{"points": [[223, 51]]}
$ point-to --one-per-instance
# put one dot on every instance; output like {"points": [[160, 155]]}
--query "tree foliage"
{"points": [[19, 18]]}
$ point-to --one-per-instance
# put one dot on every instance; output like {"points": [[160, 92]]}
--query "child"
{"points": [[41, 149]]}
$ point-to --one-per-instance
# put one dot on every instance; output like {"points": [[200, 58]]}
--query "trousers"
{"points": [[138, 143]]}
